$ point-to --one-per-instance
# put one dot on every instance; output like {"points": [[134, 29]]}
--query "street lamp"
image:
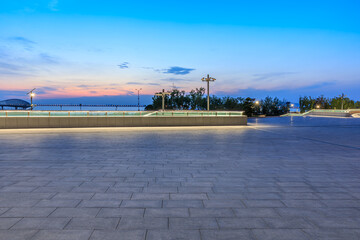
{"points": [[138, 98], [208, 79], [163, 94], [342, 100], [32, 94]]}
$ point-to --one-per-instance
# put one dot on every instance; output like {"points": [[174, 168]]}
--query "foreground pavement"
{"points": [[278, 178]]}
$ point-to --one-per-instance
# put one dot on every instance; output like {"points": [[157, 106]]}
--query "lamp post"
{"points": [[138, 90], [257, 104], [342, 100], [208, 79], [32, 94], [163, 94]]}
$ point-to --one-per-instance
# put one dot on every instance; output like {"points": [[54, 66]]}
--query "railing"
{"points": [[331, 110], [195, 113], [117, 113]]}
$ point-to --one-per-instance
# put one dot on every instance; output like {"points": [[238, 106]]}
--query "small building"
{"points": [[15, 103]]}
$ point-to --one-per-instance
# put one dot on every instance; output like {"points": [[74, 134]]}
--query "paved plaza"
{"points": [[278, 178]]}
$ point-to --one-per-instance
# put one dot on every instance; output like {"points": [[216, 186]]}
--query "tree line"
{"points": [[307, 103], [196, 100]]}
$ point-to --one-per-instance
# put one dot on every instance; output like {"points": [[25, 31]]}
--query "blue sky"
{"points": [[75, 49]]}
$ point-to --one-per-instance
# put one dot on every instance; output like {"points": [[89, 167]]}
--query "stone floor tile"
{"points": [[73, 196], [334, 196], [226, 234], [89, 189], [111, 196], [183, 204], [124, 189], [53, 189], [288, 223], [303, 203], [195, 190], [141, 203], [121, 212], [341, 203], [2, 210], [333, 234], [17, 234], [167, 212], [41, 223], [173, 235], [336, 222], [213, 196], [28, 212], [188, 196], [279, 234], [118, 234], [17, 189], [6, 223], [17, 202], [160, 190], [28, 196], [262, 196], [223, 203], [239, 223], [193, 223], [62, 235], [58, 203], [255, 212], [100, 203], [263, 203], [301, 196], [75, 212], [211, 212], [143, 223], [92, 223], [150, 196]]}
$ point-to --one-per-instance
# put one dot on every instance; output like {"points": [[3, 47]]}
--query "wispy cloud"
{"points": [[123, 65], [271, 76], [27, 43], [141, 83], [8, 94], [175, 80], [178, 70], [13, 69], [21, 40], [172, 70], [53, 5], [15, 61], [320, 85], [46, 90], [46, 58]]}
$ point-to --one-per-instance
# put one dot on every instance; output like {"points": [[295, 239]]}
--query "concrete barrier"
{"points": [[79, 122], [328, 114]]}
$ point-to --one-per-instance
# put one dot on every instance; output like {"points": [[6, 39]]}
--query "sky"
{"points": [[101, 51]]}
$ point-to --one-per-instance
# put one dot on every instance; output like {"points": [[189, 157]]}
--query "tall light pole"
{"points": [[163, 94], [138, 98], [32, 94], [342, 101], [208, 79]]}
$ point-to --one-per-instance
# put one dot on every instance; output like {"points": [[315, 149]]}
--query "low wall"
{"points": [[79, 122], [328, 114]]}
